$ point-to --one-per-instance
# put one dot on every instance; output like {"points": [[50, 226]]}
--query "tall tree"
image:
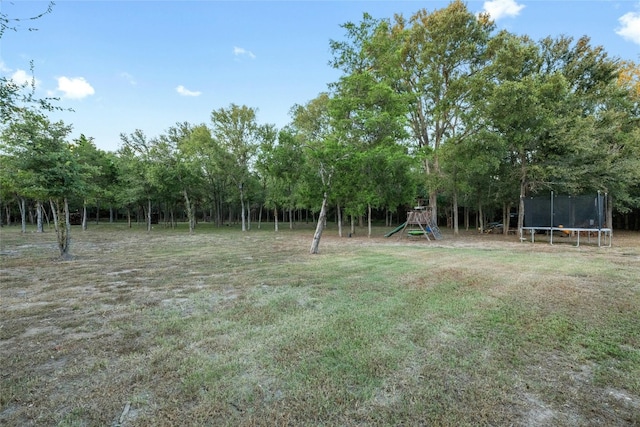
{"points": [[522, 106], [179, 167], [369, 116], [211, 159], [136, 183], [15, 97], [100, 173], [50, 171], [323, 154], [280, 164], [369, 120], [440, 52], [236, 129]]}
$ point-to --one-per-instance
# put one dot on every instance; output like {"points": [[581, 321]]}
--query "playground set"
{"points": [[567, 216], [420, 222]]}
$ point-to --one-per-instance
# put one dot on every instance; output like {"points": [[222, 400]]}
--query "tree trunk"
{"points": [[67, 234], [480, 218], [84, 215], [433, 194], [523, 189], [248, 215], [506, 218], [433, 204], [242, 214], [190, 214], [369, 220], [339, 210], [54, 213], [60, 212], [609, 214], [321, 218], [218, 203], [456, 231], [521, 214], [39, 226], [22, 204], [148, 214], [97, 212], [275, 218]]}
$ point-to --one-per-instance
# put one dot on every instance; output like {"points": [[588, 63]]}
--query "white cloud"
{"points": [[129, 78], [186, 92], [240, 51], [630, 29], [21, 77], [4, 68], [502, 8], [75, 87]]}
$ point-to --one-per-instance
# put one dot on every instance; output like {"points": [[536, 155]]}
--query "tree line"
{"points": [[438, 106]]}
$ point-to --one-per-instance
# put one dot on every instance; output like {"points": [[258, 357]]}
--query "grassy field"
{"points": [[229, 328]]}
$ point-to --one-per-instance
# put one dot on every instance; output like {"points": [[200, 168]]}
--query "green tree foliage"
{"points": [[369, 121], [437, 105], [323, 154], [46, 168], [136, 185], [237, 131], [100, 174], [210, 158], [441, 52], [280, 164], [497, 116], [558, 110], [174, 172]]}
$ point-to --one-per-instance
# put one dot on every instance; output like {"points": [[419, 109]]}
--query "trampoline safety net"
{"points": [[565, 211]]}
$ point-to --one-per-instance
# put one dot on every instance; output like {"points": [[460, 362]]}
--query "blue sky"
{"points": [[126, 65]]}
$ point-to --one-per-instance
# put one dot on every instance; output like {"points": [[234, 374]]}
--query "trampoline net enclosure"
{"points": [[565, 211]]}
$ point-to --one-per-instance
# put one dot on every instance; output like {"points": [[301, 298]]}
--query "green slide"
{"points": [[395, 230]]}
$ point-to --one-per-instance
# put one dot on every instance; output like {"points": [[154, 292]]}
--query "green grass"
{"points": [[231, 328]]}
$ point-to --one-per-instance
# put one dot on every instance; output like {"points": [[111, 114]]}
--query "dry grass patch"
{"points": [[230, 328]]}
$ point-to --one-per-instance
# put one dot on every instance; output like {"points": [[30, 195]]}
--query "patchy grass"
{"points": [[229, 328]]}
